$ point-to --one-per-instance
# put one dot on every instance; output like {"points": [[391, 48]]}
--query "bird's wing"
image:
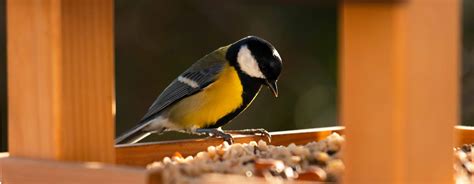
{"points": [[193, 80]]}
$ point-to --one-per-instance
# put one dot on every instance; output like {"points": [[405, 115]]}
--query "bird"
{"points": [[213, 91]]}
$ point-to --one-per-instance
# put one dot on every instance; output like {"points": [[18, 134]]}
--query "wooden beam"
{"points": [[399, 90], [61, 79], [20, 170], [463, 135], [146, 153]]}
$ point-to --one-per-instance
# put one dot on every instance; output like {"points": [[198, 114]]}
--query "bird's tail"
{"points": [[132, 136]]}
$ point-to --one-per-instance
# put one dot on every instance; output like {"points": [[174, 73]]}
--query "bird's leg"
{"points": [[259, 131], [215, 132]]}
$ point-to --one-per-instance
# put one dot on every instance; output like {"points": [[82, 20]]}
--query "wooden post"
{"points": [[399, 90], [61, 79]]}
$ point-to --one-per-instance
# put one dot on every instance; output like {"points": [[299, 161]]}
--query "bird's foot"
{"points": [[215, 132], [258, 131]]}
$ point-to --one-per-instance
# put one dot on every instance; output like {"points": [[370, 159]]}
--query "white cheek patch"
{"points": [[248, 64], [276, 54]]}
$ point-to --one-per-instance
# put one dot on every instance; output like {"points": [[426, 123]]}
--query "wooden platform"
{"points": [[142, 154], [131, 160]]}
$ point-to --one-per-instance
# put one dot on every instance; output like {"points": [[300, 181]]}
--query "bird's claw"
{"points": [[217, 133], [227, 138], [259, 131], [262, 132], [221, 134], [226, 134], [265, 133]]}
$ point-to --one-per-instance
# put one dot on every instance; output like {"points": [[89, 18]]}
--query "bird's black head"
{"points": [[258, 59]]}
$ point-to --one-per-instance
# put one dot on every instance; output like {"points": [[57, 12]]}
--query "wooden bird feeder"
{"points": [[399, 86]]}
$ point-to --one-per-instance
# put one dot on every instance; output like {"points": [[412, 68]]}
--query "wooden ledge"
{"points": [[464, 135], [23, 170], [146, 153]]}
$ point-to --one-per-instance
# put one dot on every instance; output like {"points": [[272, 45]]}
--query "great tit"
{"points": [[212, 92]]}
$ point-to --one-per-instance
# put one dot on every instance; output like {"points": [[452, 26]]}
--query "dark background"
{"points": [[467, 80], [157, 40], [3, 77]]}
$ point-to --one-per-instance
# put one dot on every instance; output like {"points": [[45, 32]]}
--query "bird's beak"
{"points": [[273, 86]]}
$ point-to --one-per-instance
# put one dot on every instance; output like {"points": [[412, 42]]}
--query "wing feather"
{"points": [[203, 72]]}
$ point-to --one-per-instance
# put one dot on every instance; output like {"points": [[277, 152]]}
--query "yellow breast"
{"points": [[212, 103]]}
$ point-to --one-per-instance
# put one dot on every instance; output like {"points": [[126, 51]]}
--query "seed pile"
{"points": [[463, 166], [315, 161]]}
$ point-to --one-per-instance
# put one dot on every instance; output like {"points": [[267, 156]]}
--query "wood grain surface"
{"points": [[146, 153], [61, 79], [399, 86], [464, 135], [21, 170]]}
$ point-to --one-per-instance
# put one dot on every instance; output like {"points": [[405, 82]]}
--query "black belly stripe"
{"points": [[251, 86]]}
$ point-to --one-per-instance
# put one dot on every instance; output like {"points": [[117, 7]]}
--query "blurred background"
{"points": [[157, 40]]}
